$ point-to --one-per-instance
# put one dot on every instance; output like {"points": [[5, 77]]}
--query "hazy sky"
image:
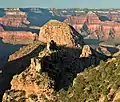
{"points": [[61, 3]]}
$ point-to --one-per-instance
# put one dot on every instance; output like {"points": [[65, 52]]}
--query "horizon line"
{"points": [[58, 8]]}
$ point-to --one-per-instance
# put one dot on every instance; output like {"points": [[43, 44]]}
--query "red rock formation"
{"points": [[105, 29], [23, 51], [13, 21], [18, 36], [92, 18], [96, 27], [76, 21], [14, 17]]}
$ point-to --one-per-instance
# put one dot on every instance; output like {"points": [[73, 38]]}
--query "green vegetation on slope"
{"points": [[93, 83]]}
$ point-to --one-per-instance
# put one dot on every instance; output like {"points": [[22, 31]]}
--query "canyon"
{"points": [[55, 63], [94, 27], [87, 23], [17, 37], [13, 27], [19, 26], [47, 66]]}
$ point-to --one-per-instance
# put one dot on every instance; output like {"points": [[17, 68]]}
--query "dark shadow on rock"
{"points": [[62, 66], [15, 67]]}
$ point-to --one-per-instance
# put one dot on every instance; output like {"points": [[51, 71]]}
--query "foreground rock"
{"points": [[48, 73]]}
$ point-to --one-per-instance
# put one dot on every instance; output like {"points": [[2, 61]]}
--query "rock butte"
{"points": [[61, 33]]}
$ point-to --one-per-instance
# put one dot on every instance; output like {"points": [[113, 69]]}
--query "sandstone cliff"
{"points": [[108, 31], [76, 21]]}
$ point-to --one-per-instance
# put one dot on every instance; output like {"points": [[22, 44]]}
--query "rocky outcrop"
{"points": [[86, 51], [61, 33], [104, 51], [51, 45], [23, 51], [92, 18], [15, 18], [117, 96], [18, 37], [106, 31], [76, 19], [15, 21]]}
